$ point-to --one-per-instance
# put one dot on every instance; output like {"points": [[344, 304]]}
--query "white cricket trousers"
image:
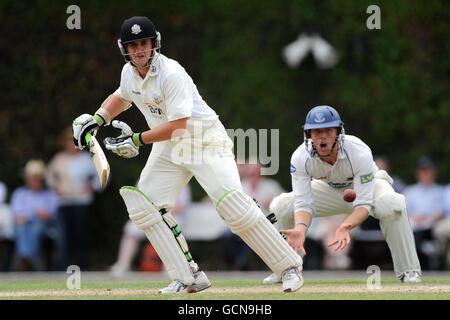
{"points": [[398, 233], [210, 161]]}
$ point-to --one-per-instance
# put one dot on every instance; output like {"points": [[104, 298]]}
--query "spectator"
{"points": [[132, 235], [6, 231], [260, 188], [383, 164], [71, 173], [34, 208], [441, 232], [425, 208], [263, 190]]}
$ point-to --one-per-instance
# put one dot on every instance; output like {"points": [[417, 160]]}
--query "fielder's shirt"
{"points": [[354, 169]]}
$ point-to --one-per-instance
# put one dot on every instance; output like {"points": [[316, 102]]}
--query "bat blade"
{"points": [[100, 162]]}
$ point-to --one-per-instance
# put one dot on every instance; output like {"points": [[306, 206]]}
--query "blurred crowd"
{"points": [[43, 227]]}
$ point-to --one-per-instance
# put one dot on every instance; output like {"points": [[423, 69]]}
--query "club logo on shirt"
{"points": [[339, 185], [157, 99], [136, 29], [319, 117], [366, 178]]}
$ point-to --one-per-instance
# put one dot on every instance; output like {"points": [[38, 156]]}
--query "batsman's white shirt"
{"points": [[354, 169], [167, 93]]}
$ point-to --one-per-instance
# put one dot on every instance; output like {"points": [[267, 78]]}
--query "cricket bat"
{"points": [[98, 157]]}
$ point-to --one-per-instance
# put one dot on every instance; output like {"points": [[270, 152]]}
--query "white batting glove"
{"points": [[127, 144], [83, 125]]}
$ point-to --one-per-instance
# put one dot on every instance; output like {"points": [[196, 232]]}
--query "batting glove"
{"points": [[127, 144], [83, 125]]}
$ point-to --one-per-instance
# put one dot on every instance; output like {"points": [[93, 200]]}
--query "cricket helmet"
{"points": [[138, 28], [323, 117]]}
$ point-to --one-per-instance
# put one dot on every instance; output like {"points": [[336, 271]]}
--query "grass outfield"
{"points": [[329, 289]]}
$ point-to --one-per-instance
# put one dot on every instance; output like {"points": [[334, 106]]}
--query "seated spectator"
{"points": [[72, 175], [6, 231], [425, 209], [34, 208], [383, 164]]}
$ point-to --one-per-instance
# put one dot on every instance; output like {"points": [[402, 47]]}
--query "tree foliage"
{"points": [[391, 86]]}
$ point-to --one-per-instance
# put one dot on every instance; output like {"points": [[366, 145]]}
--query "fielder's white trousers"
{"points": [[398, 233]]}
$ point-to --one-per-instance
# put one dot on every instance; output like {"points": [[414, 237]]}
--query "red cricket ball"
{"points": [[349, 195]]}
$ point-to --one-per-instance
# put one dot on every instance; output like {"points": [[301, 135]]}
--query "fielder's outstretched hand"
{"points": [[296, 239], [341, 237], [127, 144]]}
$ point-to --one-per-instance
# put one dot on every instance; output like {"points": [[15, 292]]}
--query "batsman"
{"points": [[182, 127], [323, 166]]}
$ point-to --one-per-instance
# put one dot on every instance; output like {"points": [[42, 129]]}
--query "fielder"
{"points": [[183, 127], [322, 167]]}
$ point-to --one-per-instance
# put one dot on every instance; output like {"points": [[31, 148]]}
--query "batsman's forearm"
{"points": [[164, 131], [113, 105], [356, 217]]}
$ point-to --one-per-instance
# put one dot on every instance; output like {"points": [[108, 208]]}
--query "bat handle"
{"points": [[88, 137]]}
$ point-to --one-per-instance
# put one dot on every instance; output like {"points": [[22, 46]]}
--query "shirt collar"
{"points": [[341, 153], [152, 71]]}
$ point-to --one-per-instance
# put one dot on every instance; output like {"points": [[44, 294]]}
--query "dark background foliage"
{"points": [[391, 86]]}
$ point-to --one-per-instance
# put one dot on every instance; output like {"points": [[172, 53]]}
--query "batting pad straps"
{"points": [[175, 228], [246, 219]]}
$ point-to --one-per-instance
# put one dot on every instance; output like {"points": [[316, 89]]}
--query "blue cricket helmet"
{"points": [[322, 117]]}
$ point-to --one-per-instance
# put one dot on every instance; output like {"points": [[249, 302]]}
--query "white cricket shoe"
{"points": [[292, 279], [411, 277], [272, 279], [175, 287], [201, 282]]}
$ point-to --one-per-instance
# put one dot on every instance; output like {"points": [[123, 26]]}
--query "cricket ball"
{"points": [[349, 195]]}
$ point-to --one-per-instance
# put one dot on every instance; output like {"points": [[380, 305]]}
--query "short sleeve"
{"points": [[123, 91], [178, 96], [363, 181]]}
